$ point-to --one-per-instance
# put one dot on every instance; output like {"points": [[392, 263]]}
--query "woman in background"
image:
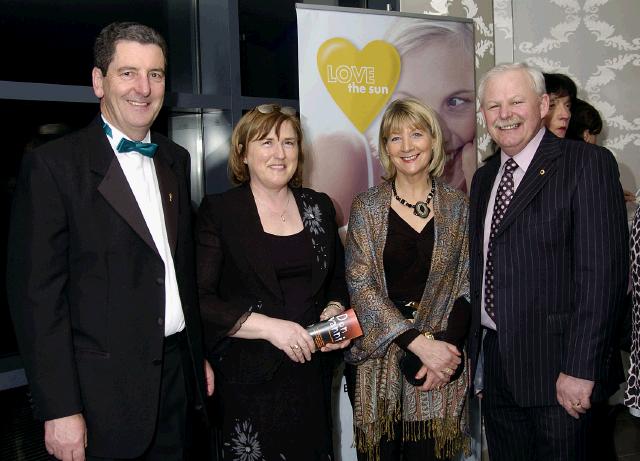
{"points": [[269, 263], [585, 124], [407, 272]]}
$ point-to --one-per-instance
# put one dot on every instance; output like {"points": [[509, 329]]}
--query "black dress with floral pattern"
{"points": [[287, 417]]}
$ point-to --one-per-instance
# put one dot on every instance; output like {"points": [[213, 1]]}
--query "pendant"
{"points": [[282, 217], [421, 209]]}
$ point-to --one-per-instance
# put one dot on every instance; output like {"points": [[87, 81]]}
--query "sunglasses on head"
{"points": [[269, 108]]}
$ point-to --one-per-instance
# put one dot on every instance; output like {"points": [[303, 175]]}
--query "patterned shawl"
{"points": [[383, 397]]}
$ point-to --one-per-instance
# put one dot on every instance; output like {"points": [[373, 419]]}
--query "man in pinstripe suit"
{"points": [[548, 270]]}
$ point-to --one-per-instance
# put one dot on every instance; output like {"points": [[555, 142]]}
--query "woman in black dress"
{"points": [[269, 263]]}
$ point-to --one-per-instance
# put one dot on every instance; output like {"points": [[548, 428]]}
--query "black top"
{"points": [[407, 258], [291, 256], [407, 262]]}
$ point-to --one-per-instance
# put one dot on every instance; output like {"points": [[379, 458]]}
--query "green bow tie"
{"points": [[145, 148], [148, 149]]}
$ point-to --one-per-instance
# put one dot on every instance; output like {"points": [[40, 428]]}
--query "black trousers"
{"points": [[172, 437], [516, 433]]}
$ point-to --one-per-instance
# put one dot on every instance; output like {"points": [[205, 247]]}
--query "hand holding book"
{"points": [[341, 327]]}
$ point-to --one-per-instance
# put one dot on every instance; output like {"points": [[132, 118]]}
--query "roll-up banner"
{"points": [[352, 64]]}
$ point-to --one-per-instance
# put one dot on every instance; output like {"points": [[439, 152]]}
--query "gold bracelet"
{"points": [[331, 304], [336, 304], [428, 335]]}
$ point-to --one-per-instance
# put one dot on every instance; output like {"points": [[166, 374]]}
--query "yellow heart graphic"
{"points": [[360, 82]]}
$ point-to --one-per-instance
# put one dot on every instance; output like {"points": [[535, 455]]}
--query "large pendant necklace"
{"points": [[420, 209]]}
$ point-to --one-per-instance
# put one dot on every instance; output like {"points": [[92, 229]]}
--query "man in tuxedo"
{"points": [[548, 270], [101, 275]]}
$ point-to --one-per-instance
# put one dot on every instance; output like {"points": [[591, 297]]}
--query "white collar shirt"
{"points": [[141, 175]]}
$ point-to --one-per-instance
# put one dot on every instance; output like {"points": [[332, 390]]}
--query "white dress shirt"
{"points": [[523, 160], [141, 175]]}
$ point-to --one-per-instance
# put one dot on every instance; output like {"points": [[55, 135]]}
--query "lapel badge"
{"points": [[170, 197], [541, 172]]}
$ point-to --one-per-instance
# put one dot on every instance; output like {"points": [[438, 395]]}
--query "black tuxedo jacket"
{"points": [[561, 267], [86, 286], [236, 276]]}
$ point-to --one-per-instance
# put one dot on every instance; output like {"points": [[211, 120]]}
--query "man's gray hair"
{"points": [[535, 75]]}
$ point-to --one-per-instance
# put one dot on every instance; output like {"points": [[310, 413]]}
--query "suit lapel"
{"points": [[486, 184], [114, 186], [540, 170], [252, 239], [168, 185]]}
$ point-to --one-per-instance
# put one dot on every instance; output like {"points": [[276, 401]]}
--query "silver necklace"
{"points": [[283, 214]]}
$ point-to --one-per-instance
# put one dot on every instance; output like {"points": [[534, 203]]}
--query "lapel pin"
{"points": [[170, 197], [541, 172]]}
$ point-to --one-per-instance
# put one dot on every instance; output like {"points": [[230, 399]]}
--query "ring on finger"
{"points": [[577, 404], [295, 346], [448, 371]]}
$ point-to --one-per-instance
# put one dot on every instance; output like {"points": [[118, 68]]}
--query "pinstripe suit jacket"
{"points": [[560, 267]]}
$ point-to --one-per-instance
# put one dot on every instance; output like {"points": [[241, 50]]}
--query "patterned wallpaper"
{"points": [[596, 43], [481, 11]]}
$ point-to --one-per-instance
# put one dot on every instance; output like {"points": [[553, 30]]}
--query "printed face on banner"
{"points": [[352, 65], [359, 81]]}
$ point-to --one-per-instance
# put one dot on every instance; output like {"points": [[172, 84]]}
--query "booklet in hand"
{"points": [[337, 328]]}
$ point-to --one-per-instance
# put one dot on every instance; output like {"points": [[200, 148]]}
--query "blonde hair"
{"points": [[413, 113], [256, 125]]}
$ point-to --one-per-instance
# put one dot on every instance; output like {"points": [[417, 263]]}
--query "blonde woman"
{"points": [[407, 273]]}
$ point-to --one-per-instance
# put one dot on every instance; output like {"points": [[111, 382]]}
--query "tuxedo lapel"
{"points": [[168, 185], [540, 170], [115, 189], [252, 239], [114, 186]]}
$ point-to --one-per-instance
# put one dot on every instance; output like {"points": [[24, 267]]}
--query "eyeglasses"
{"points": [[269, 108]]}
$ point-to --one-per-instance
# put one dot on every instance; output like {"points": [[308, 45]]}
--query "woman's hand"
{"points": [[333, 308], [629, 196], [335, 346], [432, 380], [439, 358], [290, 338]]}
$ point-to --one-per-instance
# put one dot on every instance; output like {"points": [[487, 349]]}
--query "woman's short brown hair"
{"points": [[411, 112], [255, 125]]}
